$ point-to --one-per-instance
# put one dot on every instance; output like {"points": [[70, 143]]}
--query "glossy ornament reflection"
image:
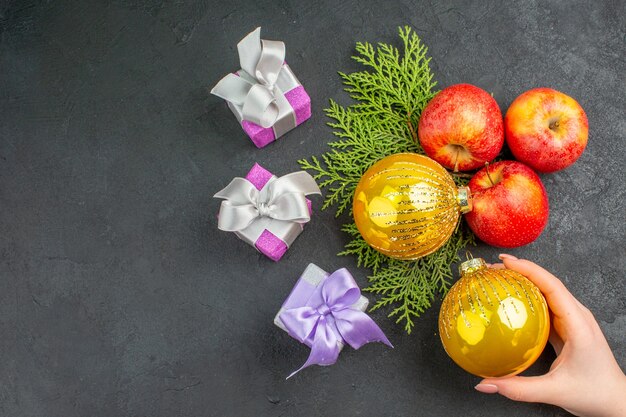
{"points": [[493, 322], [407, 206]]}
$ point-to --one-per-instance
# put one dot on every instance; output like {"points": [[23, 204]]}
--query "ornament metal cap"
{"points": [[472, 265], [464, 198]]}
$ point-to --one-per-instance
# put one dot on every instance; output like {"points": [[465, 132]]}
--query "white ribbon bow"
{"points": [[281, 199], [255, 88]]}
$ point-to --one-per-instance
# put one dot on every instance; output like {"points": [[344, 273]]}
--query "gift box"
{"points": [[266, 211], [326, 311], [264, 95]]}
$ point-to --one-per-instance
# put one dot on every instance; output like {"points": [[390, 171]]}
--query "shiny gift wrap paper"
{"points": [[407, 206], [326, 311], [264, 95], [493, 322], [270, 236]]}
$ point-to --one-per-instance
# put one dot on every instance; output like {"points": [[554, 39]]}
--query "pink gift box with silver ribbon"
{"points": [[264, 95], [266, 211]]}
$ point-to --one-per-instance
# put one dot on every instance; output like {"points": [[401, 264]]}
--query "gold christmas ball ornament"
{"points": [[493, 322], [407, 206]]}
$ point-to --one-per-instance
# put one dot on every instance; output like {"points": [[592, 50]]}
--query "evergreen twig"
{"points": [[389, 95]]}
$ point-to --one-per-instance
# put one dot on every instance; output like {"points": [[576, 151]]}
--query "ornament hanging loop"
{"points": [[464, 199], [472, 265]]}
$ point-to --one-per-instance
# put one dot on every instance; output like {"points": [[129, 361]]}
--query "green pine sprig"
{"points": [[413, 285], [389, 95]]}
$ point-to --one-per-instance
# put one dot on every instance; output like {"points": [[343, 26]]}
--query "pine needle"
{"points": [[389, 95]]}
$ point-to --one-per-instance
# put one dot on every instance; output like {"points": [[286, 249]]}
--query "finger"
{"points": [[521, 388], [582, 306], [498, 266], [561, 301]]}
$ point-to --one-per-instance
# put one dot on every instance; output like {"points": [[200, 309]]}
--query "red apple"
{"points": [[461, 128], [546, 129], [510, 205]]}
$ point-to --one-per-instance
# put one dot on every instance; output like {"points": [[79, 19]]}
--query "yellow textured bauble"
{"points": [[407, 206], [493, 322]]}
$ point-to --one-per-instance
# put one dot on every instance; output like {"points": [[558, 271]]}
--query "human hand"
{"points": [[585, 379]]}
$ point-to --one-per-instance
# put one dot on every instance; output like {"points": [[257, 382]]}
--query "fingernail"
{"points": [[486, 388], [507, 256]]}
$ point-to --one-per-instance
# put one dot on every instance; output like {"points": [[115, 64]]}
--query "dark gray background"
{"points": [[119, 296]]}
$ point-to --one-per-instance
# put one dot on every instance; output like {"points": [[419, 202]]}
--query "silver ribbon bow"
{"points": [[278, 206], [256, 90]]}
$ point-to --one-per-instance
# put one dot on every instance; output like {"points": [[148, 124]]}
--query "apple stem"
{"points": [[411, 128], [554, 125], [489, 176], [456, 160]]}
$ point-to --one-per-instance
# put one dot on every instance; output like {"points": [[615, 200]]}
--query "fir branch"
{"points": [[389, 97], [362, 142], [367, 256], [414, 284]]}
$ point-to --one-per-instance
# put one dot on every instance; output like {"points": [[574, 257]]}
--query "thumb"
{"points": [[520, 388]]}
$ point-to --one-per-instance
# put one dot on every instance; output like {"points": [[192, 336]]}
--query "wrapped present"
{"points": [[325, 312], [265, 95], [265, 211]]}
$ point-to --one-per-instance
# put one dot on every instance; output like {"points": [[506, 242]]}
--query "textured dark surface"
{"points": [[120, 297]]}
